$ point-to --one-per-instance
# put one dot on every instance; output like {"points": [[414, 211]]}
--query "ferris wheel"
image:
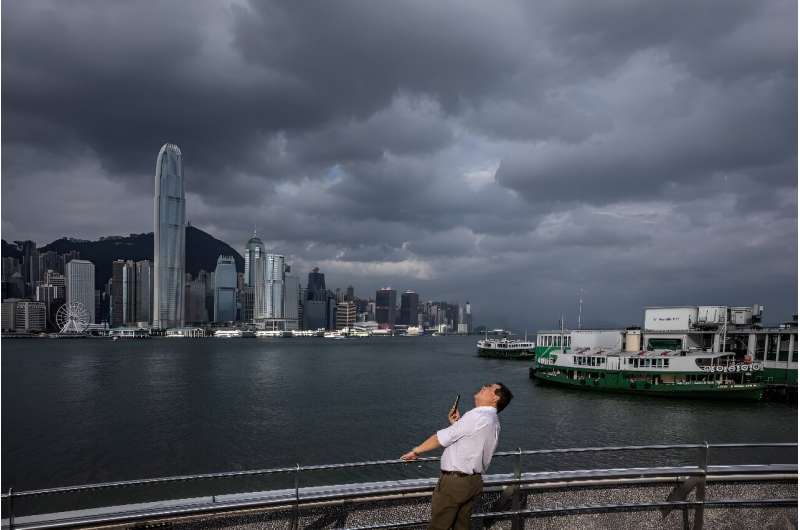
{"points": [[72, 318]]}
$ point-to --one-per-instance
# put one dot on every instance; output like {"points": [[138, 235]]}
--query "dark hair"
{"points": [[505, 396]]}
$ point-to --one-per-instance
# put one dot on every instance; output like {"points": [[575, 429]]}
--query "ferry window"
{"points": [[659, 363], [666, 363], [635, 363], [761, 347], [783, 348], [772, 348]]}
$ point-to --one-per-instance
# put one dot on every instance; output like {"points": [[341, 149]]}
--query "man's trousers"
{"points": [[453, 498]]}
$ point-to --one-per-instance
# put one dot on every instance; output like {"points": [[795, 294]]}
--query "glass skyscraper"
{"points": [[225, 289], [169, 216], [253, 251]]}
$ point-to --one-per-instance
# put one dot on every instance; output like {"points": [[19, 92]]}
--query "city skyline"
{"points": [[511, 156]]}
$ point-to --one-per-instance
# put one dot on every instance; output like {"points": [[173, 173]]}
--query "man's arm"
{"points": [[428, 445]]}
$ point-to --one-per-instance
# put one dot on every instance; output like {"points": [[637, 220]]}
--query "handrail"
{"points": [[349, 465]]}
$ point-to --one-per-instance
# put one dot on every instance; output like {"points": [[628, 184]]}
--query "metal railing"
{"points": [[511, 485]]}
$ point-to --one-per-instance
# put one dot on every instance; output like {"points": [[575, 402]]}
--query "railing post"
{"points": [[10, 508], [296, 518], [516, 523], [700, 494]]}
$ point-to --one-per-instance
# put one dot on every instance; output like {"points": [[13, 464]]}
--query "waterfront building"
{"points": [[144, 291], [319, 304], [385, 306], [316, 285], [30, 316], [409, 301], [252, 251], [9, 314], [276, 270], [80, 285], [46, 294], [345, 315], [225, 289], [195, 296], [123, 293], [169, 217], [351, 294], [292, 297], [245, 305]]}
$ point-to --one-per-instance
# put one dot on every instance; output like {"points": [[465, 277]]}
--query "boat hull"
{"points": [[614, 382], [518, 355]]}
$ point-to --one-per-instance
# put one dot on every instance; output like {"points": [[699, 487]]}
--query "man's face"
{"points": [[486, 396]]}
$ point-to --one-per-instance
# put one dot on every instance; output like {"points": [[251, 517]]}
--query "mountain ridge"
{"points": [[202, 251]]}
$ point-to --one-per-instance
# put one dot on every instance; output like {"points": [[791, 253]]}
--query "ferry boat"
{"points": [[661, 372], [736, 330], [506, 349]]}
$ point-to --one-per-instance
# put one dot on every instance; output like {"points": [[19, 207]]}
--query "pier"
{"points": [[684, 486]]}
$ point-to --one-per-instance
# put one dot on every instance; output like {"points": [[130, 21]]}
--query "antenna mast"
{"points": [[580, 307]]}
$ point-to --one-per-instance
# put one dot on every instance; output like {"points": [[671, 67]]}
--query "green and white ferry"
{"points": [[506, 348], [659, 372], [696, 330]]}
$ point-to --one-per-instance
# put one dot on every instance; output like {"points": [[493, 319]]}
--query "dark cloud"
{"points": [[508, 154]]}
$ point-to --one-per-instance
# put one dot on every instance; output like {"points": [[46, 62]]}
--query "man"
{"points": [[469, 444]]}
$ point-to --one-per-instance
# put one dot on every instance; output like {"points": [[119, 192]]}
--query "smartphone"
{"points": [[455, 403]]}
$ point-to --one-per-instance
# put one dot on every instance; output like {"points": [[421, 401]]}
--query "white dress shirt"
{"points": [[470, 442]]}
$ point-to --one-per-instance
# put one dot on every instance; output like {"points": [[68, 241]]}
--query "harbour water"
{"points": [[94, 410]]}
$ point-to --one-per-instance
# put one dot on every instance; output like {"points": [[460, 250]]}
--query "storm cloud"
{"points": [[507, 153]]}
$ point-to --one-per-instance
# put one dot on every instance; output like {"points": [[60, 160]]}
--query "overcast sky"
{"points": [[505, 153]]}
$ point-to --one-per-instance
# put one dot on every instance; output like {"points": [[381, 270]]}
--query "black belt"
{"points": [[459, 473]]}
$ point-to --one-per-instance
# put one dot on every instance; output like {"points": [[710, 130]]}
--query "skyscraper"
{"points": [[291, 301], [409, 301], [315, 305], [276, 271], [123, 293], [269, 286], [144, 291], [252, 251], [385, 306], [80, 285], [225, 289], [169, 217]]}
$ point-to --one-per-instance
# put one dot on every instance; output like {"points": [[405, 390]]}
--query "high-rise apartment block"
{"points": [[80, 285], [169, 218]]}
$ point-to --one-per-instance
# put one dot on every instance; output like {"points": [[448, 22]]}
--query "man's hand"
{"points": [[411, 455], [454, 416]]}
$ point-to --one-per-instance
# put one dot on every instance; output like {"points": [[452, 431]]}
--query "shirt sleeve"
{"points": [[455, 432]]}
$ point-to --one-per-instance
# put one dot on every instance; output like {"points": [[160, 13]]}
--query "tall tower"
{"points": [[225, 289], [80, 285], [169, 217], [253, 251]]}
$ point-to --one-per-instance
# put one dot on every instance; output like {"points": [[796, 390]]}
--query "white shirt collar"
{"points": [[486, 408]]}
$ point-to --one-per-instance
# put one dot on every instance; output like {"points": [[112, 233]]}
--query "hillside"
{"points": [[202, 251]]}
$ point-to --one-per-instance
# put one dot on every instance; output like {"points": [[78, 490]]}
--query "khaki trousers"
{"points": [[453, 498]]}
